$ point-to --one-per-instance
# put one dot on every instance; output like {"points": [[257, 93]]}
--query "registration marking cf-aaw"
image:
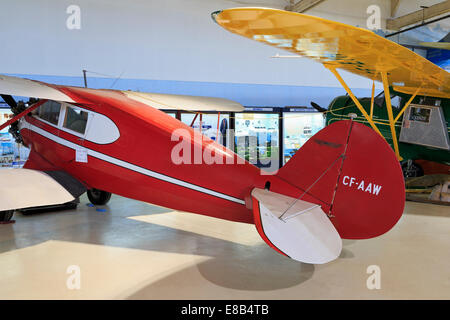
{"points": [[369, 187]]}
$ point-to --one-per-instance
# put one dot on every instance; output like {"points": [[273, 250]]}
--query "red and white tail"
{"points": [[364, 187], [357, 181]]}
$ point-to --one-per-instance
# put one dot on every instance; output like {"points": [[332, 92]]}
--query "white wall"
{"points": [[158, 40], [351, 11], [354, 12]]}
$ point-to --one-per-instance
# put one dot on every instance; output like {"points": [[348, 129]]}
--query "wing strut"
{"points": [[193, 121], [218, 123], [355, 100], [387, 96], [372, 100], [407, 104]]}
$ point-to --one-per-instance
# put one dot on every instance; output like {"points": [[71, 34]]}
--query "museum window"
{"points": [[49, 111], [213, 126], [298, 128], [257, 138], [75, 120]]}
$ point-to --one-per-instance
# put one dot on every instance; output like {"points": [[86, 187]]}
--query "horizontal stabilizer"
{"points": [[295, 228], [24, 188]]}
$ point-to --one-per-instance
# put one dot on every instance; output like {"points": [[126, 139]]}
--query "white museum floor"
{"points": [[134, 250]]}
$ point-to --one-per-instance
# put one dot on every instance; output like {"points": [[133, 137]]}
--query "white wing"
{"points": [[182, 102], [24, 188], [30, 88]]}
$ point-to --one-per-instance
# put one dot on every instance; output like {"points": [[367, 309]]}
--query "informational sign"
{"points": [[81, 155], [425, 126]]}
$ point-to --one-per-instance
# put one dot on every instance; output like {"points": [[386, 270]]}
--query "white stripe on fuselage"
{"points": [[132, 167]]}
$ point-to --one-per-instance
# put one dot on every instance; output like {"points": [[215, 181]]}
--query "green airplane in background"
{"points": [[422, 130]]}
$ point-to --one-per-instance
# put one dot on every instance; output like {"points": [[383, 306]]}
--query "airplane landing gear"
{"points": [[98, 197], [411, 169], [6, 216]]}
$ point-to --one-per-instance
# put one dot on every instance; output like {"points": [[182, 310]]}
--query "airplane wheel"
{"points": [[6, 215], [411, 169], [98, 197]]}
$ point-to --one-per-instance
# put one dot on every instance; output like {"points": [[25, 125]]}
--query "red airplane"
{"points": [[344, 183]]}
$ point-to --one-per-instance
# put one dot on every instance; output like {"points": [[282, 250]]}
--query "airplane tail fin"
{"points": [[355, 172], [358, 189]]}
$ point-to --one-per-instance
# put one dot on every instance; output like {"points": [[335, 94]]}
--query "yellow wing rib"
{"points": [[338, 45]]}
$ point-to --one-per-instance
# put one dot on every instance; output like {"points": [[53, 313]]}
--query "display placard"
{"points": [[81, 155]]}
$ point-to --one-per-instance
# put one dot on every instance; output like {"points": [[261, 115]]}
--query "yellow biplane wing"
{"points": [[339, 45]]}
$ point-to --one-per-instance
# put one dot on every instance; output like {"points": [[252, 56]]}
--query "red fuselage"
{"points": [[138, 164]]}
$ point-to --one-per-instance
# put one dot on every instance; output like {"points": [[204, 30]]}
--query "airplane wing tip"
{"points": [[214, 14]]}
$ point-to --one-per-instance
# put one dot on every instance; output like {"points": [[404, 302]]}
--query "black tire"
{"points": [[98, 197], [6, 215], [411, 170]]}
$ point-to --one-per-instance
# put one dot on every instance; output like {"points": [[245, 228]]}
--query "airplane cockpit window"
{"points": [[75, 120], [49, 111], [379, 99], [396, 101]]}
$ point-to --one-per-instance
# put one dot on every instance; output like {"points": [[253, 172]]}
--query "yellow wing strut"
{"points": [[372, 100], [387, 96], [407, 104], [355, 100]]}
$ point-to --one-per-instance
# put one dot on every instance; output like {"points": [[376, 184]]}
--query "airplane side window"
{"points": [[75, 120], [379, 99], [49, 111], [396, 101]]}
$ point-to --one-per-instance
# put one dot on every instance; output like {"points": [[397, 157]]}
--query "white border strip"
{"points": [[129, 166]]}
